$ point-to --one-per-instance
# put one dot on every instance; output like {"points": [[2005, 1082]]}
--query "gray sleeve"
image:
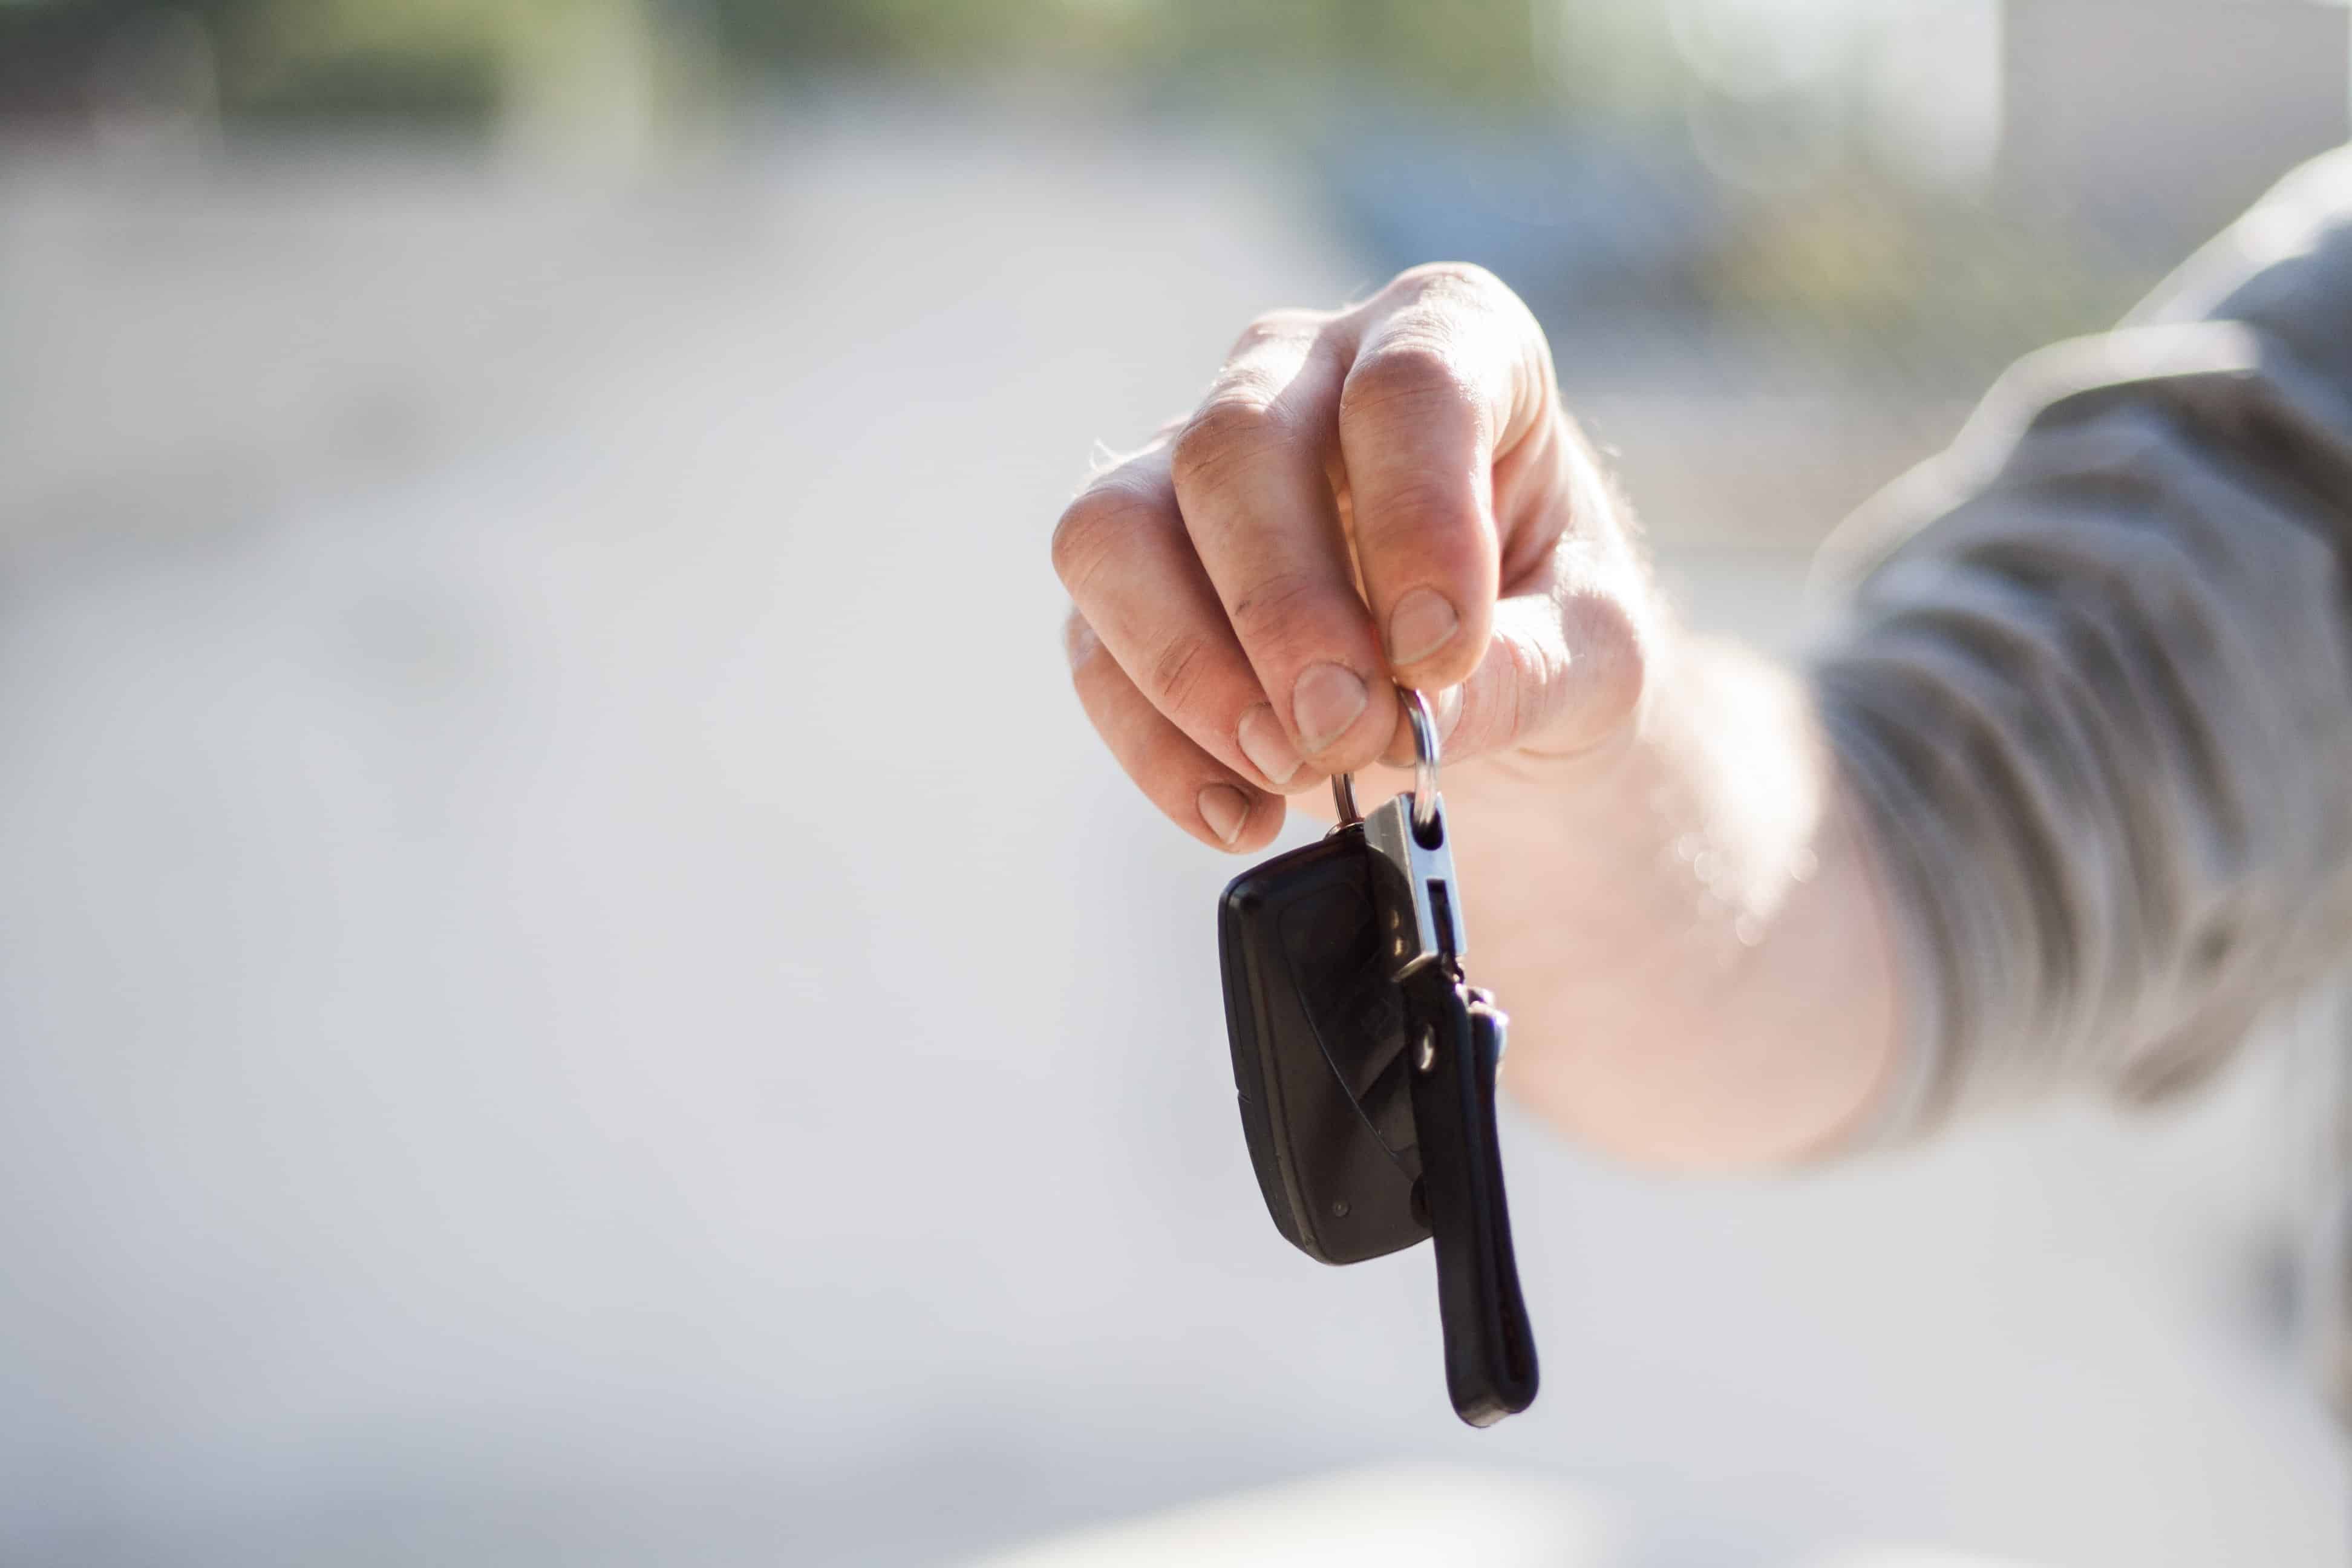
{"points": [[2095, 695]]}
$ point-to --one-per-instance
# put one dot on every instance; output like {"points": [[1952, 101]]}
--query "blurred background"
{"points": [[572, 985]]}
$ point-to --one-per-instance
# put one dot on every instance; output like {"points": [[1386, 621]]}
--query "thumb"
{"points": [[1568, 661], [1560, 678]]}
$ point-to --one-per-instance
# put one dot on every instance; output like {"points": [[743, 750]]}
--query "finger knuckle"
{"points": [[1180, 670], [1091, 530], [1277, 327], [1455, 550], [1411, 369], [1237, 423], [1277, 611], [1463, 281], [1429, 519]]}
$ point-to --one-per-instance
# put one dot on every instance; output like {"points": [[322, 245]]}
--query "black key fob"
{"points": [[1318, 1036], [1366, 1064]]}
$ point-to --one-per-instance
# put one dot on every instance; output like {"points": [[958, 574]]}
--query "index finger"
{"points": [[1450, 377], [1253, 474]]}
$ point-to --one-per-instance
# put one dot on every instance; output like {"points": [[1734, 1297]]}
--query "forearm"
{"points": [[2092, 783], [1687, 926], [2066, 801]]}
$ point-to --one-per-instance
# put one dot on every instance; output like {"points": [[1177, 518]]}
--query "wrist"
{"points": [[1683, 923]]}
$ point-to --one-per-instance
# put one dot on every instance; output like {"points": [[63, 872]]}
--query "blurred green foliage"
{"points": [[1853, 257], [462, 57], [1456, 50]]}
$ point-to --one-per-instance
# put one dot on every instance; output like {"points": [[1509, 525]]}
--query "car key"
{"points": [[1365, 1065], [1317, 1032]]}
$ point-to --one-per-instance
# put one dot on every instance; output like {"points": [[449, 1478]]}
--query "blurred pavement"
{"points": [[573, 987]]}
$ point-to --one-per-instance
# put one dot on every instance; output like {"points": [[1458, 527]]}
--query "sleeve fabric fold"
{"points": [[2095, 694]]}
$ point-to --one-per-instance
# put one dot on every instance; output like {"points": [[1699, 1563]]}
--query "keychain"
{"points": [[1365, 1065]]}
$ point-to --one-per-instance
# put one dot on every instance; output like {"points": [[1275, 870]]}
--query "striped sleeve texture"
{"points": [[2095, 694]]}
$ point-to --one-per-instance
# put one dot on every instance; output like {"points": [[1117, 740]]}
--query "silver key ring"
{"points": [[1424, 767]]}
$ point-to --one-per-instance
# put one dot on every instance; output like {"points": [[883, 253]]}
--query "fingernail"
{"points": [[1225, 809], [1326, 700], [1422, 622], [1267, 748], [1449, 711]]}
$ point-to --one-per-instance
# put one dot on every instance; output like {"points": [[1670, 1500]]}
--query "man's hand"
{"points": [[1219, 640], [1663, 879]]}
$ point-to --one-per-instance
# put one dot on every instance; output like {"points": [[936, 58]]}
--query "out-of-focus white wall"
{"points": [[573, 989], [2165, 117]]}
